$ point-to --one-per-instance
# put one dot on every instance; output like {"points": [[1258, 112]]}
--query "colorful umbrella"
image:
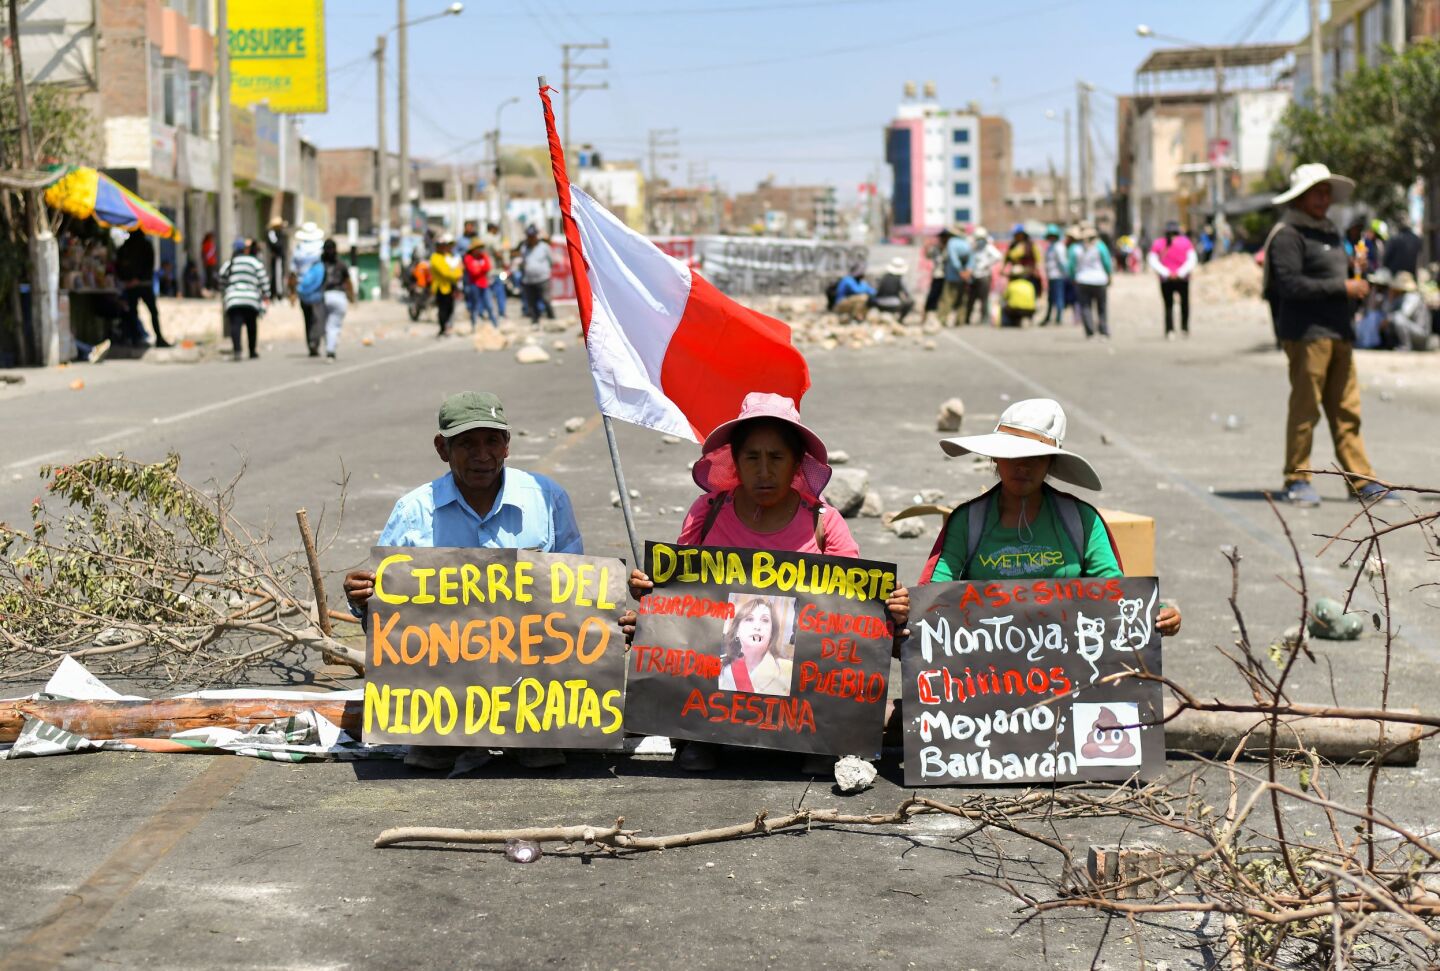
{"points": [[87, 193]]}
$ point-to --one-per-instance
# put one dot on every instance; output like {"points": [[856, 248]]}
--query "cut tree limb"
{"points": [[164, 717], [1216, 733]]}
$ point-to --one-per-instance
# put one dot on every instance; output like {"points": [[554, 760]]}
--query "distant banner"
{"points": [[277, 55], [773, 650], [1002, 682], [765, 265], [502, 648]]}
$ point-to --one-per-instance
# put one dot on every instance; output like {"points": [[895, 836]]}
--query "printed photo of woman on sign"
{"points": [[759, 645]]}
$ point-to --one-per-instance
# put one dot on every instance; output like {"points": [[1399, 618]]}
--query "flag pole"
{"points": [[582, 299], [639, 563]]}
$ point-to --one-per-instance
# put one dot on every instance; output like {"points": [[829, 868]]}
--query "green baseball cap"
{"points": [[471, 409]]}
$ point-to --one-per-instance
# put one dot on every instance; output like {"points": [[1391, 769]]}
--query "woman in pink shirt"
{"points": [[762, 475], [1172, 257]]}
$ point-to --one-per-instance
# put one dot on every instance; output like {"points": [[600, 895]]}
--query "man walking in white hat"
{"points": [[1307, 278]]}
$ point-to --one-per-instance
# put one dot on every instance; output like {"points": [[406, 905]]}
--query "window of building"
{"points": [[200, 104], [962, 188], [961, 136], [432, 190], [157, 83], [961, 162], [199, 14], [962, 215], [169, 107]]}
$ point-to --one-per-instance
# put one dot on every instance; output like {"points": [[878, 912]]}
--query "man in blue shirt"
{"points": [[957, 276], [478, 503], [852, 296]]}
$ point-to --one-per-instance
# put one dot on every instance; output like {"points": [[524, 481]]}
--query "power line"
{"points": [[867, 46], [722, 11]]}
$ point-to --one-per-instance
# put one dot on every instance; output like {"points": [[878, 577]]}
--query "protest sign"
{"points": [[506, 648], [786, 651], [1002, 682]]}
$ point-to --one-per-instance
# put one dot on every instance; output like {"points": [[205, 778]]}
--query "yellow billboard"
{"points": [[277, 55]]}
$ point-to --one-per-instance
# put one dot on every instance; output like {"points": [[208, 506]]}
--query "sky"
{"points": [[795, 89]]}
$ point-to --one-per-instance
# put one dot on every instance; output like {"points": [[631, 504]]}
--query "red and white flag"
{"points": [[667, 350]]}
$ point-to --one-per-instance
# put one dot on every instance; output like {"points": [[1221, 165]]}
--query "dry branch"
{"points": [[165, 717], [1334, 739], [1001, 811]]}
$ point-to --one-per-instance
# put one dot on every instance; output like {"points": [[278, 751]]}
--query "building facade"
{"points": [[145, 71], [947, 166]]}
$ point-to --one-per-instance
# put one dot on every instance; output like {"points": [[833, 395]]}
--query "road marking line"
{"points": [[547, 465], [255, 395], [83, 911]]}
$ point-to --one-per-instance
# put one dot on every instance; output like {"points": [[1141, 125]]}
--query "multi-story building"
{"points": [[1037, 197], [947, 165], [1188, 149], [145, 71], [1357, 32], [349, 180], [787, 210]]}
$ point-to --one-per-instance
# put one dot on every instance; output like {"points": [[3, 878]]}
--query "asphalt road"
{"points": [[129, 860]]}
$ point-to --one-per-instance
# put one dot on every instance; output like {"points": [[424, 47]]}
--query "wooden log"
{"points": [[1214, 733], [166, 716]]}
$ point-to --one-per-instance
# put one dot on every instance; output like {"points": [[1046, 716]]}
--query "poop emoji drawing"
{"points": [[1108, 739]]}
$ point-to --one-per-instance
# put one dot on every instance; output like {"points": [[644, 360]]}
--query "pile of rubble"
{"points": [[531, 346], [852, 494], [1226, 278], [812, 327]]}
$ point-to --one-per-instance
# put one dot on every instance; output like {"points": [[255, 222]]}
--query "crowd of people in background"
{"points": [[973, 279], [1395, 315], [484, 271]]}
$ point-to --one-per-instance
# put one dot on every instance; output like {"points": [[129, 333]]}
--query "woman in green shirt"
{"points": [[1024, 528]]}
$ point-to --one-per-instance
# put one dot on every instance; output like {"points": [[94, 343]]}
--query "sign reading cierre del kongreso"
{"points": [[1011, 682], [504, 648], [277, 55]]}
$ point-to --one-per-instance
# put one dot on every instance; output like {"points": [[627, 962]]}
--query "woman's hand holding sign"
{"points": [[640, 585]]}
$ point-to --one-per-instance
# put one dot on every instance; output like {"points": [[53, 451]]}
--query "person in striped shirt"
{"points": [[245, 282]]}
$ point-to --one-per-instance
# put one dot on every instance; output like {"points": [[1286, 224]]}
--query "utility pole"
{"points": [[1317, 74], [500, 203], [569, 84], [1217, 169], [44, 255], [1069, 185], [225, 224], [382, 171], [402, 108], [1086, 159], [663, 142]]}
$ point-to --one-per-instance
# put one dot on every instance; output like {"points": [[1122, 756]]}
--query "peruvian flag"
{"points": [[667, 350]]}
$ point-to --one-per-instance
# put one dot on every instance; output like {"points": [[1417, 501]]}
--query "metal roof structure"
{"points": [[1180, 59]]}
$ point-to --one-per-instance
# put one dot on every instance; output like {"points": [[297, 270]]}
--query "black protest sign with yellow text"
{"points": [[504, 648], [786, 651]]}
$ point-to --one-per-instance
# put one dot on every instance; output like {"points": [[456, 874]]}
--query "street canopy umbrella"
{"points": [[87, 193]]}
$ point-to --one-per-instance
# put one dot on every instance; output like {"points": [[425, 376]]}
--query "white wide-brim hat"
{"points": [[1030, 428], [309, 233], [1311, 174], [898, 266]]}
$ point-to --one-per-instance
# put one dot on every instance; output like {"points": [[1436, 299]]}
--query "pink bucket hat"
{"points": [[715, 471]]}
